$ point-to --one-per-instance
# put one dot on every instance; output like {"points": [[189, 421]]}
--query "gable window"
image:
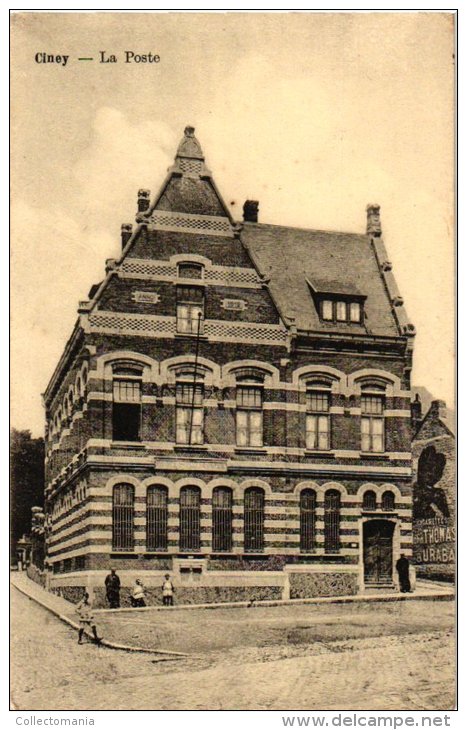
{"points": [[123, 517], [190, 518], [156, 518], [372, 422], [318, 420], [190, 310], [222, 519], [190, 270], [249, 415], [126, 407], [190, 413]]}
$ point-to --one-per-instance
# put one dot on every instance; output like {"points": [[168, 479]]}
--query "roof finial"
{"points": [[189, 147]]}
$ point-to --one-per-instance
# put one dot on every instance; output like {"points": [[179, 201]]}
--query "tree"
{"points": [[26, 482]]}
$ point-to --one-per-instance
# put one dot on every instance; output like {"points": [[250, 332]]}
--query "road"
{"points": [[412, 671]]}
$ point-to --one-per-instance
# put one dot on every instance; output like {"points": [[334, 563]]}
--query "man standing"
{"points": [[112, 589], [167, 591], [402, 567]]}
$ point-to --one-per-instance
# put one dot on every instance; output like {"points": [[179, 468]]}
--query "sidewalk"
{"points": [[65, 611]]}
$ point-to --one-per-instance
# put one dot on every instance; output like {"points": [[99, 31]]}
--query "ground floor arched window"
{"points": [[190, 519], [222, 519], [307, 520], [332, 517], [156, 518], [123, 508], [254, 519]]}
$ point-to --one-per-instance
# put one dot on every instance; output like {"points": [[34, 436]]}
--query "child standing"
{"points": [[86, 619], [168, 591]]}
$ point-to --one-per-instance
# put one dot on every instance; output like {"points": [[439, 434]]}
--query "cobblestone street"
{"points": [[379, 671]]}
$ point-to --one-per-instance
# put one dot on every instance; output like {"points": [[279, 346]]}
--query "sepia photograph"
{"points": [[232, 413]]}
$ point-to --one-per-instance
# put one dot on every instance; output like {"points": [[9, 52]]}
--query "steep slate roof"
{"points": [[294, 258]]}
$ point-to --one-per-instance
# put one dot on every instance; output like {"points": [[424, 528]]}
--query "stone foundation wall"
{"points": [[196, 595], [313, 585]]}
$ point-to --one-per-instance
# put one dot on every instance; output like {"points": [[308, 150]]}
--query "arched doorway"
{"points": [[377, 552]]}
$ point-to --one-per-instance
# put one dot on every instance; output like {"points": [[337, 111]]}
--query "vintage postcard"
{"points": [[233, 418]]}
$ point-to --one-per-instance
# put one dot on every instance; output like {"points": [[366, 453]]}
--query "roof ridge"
{"points": [[300, 228]]}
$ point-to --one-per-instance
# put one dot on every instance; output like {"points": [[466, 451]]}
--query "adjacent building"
{"points": [[232, 407]]}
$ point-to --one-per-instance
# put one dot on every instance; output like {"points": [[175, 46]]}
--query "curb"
{"points": [[108, 644], [387, 598]]}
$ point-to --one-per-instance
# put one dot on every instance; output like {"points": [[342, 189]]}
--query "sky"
{"points": [[314, 115]]}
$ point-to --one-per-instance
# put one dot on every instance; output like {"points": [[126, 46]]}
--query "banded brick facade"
{"points": [[203, 394]]}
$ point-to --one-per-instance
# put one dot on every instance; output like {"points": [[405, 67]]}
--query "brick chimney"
{"points": [[126, 231], [438, 409], [143, 200], [250, 211], [416, 413], [373, 221]]}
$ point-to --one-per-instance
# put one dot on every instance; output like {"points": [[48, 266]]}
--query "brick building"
{"points": [[434, 508], [233, 406]]}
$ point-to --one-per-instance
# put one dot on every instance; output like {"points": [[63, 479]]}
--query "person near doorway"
{"points": [[402, 567], [86, 619], [137, 597], [168, 591], [112, 589]]}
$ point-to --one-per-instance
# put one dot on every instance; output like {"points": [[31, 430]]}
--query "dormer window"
{"points": [[340, 310], [337, 302]]}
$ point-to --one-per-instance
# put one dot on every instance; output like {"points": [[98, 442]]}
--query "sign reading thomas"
{"points": [[434, 538]]}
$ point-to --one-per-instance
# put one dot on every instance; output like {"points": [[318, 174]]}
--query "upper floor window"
{"points": [[341, 310], [190, 310], [372, 421], [126, 410], [190, 413], [190, 270], [318, 420], [249, 414]]}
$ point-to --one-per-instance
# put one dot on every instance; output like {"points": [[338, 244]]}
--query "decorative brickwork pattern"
{"points": [[190, 223]]}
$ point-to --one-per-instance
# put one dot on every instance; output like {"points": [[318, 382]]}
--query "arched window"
{"points": [[123, 517], [318, 420], [190, 412], [156, 518], [254, 520], [250, 410], [126, 412], [190, 505], [190, 270], [369, 500], [332, 518], [307, 520], [222, 519], [372, 419], [388, 501]]}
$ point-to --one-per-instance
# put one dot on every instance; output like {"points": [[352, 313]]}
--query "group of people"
{"points": [[112, 591], [137, 598]]}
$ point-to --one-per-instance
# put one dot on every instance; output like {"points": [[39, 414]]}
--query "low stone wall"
{"points": [[74, 594], [196, 595], [314, 585]]}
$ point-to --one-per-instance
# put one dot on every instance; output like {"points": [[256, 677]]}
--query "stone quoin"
{"points": [[232, 408]]}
